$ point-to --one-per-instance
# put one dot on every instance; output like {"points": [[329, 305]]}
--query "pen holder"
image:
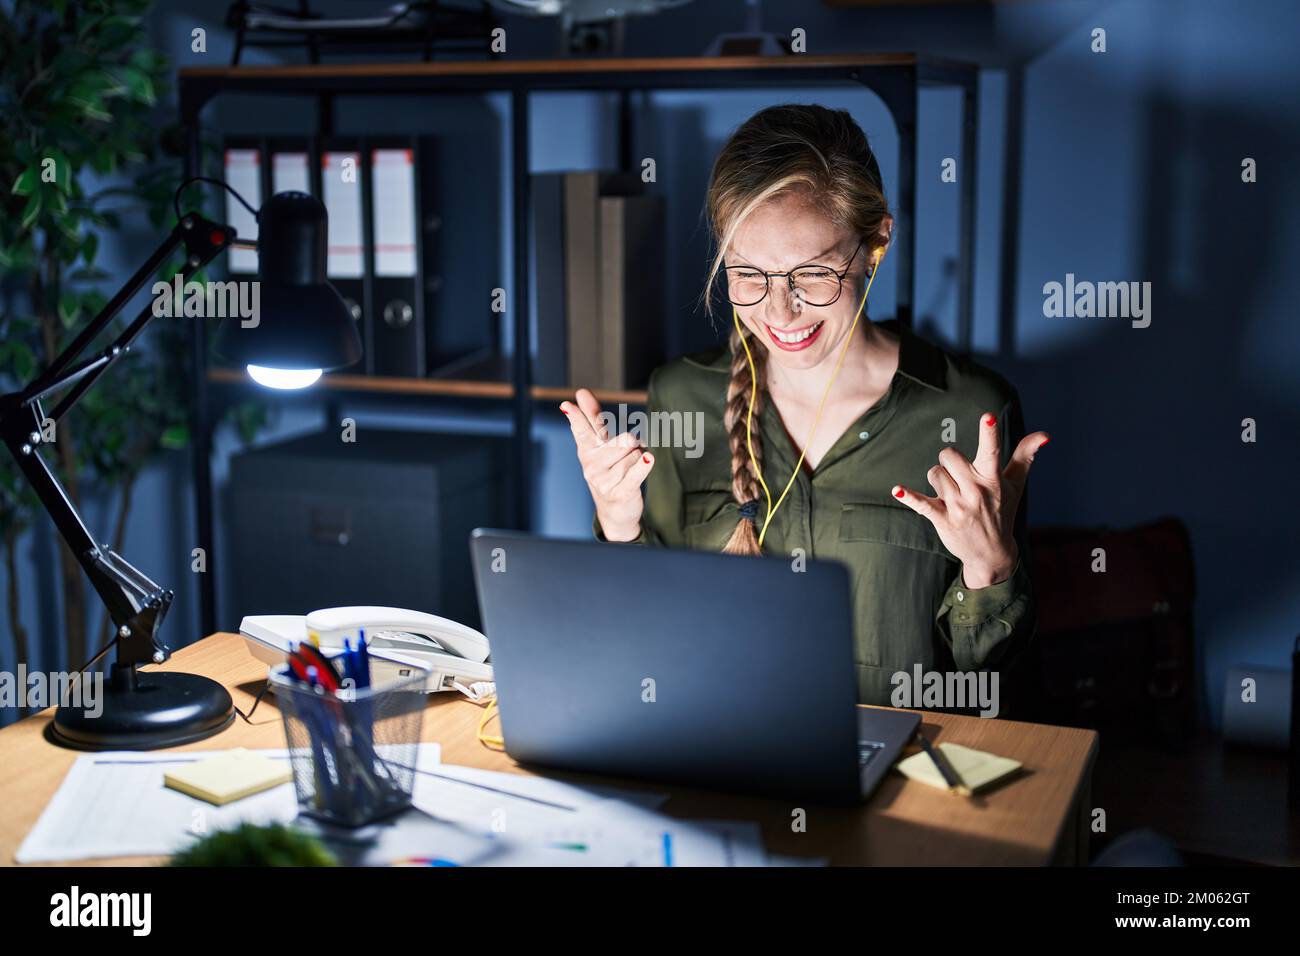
{"points": [[353, 751]]}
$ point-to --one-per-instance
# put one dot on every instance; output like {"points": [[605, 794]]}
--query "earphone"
{"points": [[753, 397]]}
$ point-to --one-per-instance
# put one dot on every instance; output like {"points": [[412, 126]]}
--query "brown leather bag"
{"points": [[1113, 649]]}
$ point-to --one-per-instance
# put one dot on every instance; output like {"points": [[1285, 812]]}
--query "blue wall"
{"points": [[1128, 168]]}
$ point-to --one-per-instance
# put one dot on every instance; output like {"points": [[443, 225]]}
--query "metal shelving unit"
{"points": [[895, 77]]}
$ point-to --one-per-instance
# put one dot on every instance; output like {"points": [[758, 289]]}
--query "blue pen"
{"points": [[350, 663], [312, 718]]}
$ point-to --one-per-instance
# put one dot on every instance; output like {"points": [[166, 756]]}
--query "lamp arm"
{"points": [[203, 239], [135, 603]]}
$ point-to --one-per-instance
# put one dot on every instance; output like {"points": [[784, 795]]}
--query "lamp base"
{"points": [[145, 711]]}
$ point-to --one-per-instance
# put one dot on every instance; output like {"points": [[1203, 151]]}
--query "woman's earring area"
{"points": [[877, 257]]}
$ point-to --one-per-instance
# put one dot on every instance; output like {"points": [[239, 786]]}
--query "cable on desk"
{"points": [[490, 710], [248, 717]]}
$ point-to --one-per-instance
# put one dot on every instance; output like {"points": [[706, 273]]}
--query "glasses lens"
{"points": [[816, 285], [745, 286]]}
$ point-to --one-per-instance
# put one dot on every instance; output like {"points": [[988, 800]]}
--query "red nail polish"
{"points": [[898, 493], [646, 459], [990, 421], [563, 409], [1045, 441]]}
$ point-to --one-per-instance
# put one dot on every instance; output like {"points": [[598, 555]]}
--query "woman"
{"points": [[856, 416]]}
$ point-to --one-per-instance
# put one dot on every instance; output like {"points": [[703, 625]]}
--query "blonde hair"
{"points": [[783, 149]]}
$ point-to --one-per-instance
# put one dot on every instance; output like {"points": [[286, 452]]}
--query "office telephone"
{"points": [[455, 655]]}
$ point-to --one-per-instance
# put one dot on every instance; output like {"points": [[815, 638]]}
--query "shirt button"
{"points": [[864, 435], [961, 595]]}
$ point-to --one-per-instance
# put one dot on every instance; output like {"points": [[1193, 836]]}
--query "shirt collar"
{"points": [[918, 359]]}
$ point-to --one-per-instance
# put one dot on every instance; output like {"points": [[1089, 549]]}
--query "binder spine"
{"points": [[397, 331], [347, 205]]}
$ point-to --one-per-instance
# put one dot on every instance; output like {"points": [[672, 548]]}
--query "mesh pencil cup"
{"points": [[353, 751]]}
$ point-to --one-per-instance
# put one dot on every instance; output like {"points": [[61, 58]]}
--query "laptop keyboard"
{"points": [[867, 750]]}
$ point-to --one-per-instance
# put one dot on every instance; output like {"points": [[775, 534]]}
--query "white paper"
{"points": [[505, 804], [114, 804], [544, 822]]}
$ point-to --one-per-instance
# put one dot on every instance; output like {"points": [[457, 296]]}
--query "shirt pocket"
{"points": [[708, 518], [889, 524], [900, 571]]}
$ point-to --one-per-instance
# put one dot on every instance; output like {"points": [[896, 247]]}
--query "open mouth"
{"points": [[795, 339]]}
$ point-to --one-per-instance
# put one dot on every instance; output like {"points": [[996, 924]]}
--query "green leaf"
{"points": [[138, 85], [87, 96], [175, 437], [19, 257], [32, 211], [94, 301], [102, 161], [69, 307], [25, 182]]}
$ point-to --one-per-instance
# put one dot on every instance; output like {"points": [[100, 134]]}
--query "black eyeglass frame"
{"points": [[789, 278]]}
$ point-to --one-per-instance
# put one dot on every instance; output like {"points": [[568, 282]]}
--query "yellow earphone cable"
{"points": [[753, 395], [490, 709]]}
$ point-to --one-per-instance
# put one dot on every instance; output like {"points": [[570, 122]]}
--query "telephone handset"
{"points": [[455, 654], [399, 629]]}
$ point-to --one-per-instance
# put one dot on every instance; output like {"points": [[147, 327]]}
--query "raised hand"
{"points": [[613, 467], [974, 508]]}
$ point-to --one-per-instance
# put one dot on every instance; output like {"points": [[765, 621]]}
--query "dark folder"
{"points": [[341, 190]]}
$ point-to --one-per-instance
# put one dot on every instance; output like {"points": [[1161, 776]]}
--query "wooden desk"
{"points": [[1035, 819]]}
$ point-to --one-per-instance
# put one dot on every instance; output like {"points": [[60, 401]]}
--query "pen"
{"points": [[350, 664], [950, 776], [363, 659], [326, 673]]}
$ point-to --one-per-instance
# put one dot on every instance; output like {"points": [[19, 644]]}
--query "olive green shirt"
{"points": [[910, 604]]}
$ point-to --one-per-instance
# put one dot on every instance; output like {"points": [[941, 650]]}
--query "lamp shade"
{"points": [[302, 322]]}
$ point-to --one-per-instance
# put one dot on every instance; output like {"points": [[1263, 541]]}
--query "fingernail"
{"points": [[990, 420], [898, 492], [646, 459], [1044, 441], [563, 409]]}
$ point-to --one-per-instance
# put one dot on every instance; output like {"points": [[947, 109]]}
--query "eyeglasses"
{"points": [[812, 284]]}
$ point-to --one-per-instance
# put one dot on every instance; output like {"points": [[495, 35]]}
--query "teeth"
{"points": [[796, 337]]}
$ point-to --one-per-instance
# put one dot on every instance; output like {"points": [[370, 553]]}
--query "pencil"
{"points": [[950, 776]]}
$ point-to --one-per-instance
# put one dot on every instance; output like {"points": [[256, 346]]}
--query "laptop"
{"points": [[689, 667]]}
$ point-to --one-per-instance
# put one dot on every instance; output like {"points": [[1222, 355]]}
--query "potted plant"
{"points": [[81, 145]]}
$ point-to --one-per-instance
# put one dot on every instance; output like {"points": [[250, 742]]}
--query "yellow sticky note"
{"points": [[976, 768], [229, 776]]}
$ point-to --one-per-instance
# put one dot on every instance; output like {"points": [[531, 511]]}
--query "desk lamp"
{"points": [[303, 327]]}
